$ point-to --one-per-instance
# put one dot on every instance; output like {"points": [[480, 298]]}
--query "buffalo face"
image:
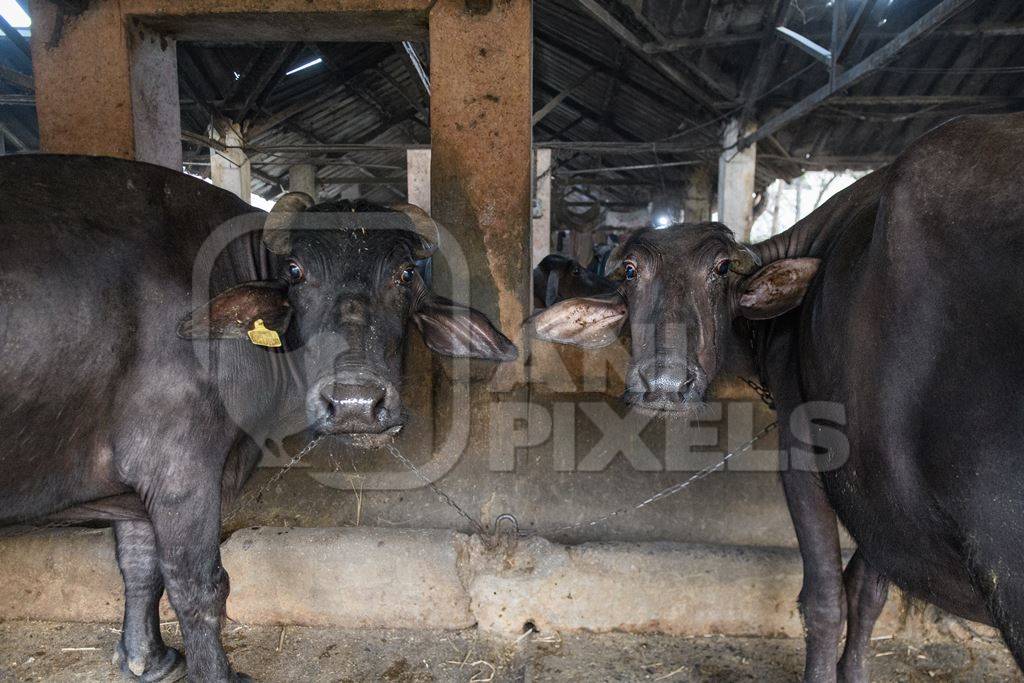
{"points": [[681, 288], [344, 288], [559, 277]]}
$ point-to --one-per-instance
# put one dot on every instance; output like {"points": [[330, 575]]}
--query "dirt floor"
{"points": [[33, 651]]}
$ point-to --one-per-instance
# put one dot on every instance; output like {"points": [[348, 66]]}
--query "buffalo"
{"points": [[559, 277], [125, 402], [895, 309]]}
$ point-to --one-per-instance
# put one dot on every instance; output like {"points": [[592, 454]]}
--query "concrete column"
{"points": [[105, 86], [736, 182], [417, 163], [229, 169], [697, 197], [541, 218], [481, 137], [302, 178]]}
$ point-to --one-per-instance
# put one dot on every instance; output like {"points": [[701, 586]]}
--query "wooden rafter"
{"points": [[776, 14], [693, 90], [870, 65]]}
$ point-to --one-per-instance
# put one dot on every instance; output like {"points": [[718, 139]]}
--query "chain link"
{"points": [[393, 450], [664, 493], [257, 495], [763, 392]]}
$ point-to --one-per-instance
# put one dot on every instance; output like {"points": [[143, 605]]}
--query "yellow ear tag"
{"points": [[261, 336]]}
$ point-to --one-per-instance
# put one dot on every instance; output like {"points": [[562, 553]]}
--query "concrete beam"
{"points": [[540, 226], [736, 170], [418, 177], [388, 578], [697, 196], [284, 20], [105, 86], [480, 109], [229, 165], [302, 178]]}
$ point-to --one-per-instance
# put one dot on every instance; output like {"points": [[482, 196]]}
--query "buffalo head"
{"points": [[344, 288], [682, 289], [558, 277]]}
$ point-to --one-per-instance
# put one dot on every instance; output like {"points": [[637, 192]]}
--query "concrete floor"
{"points": [[37, 651]]}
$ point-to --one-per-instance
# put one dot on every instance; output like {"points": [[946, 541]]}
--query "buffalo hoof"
{"points": [[169, 668]]}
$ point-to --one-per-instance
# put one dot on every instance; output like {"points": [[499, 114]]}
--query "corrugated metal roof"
{"points": [[365, 93]]}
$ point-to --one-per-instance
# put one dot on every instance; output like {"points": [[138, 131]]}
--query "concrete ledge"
{"points": [[438, 579], [637, 587], [357, 576], [60, 575]]}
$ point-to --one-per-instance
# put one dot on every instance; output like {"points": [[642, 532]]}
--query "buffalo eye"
{"points": [[722, 267], [630, 272], [406, 276], [294, 271]]}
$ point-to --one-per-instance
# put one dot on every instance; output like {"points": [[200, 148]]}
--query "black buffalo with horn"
{"points": [[122, 400]]}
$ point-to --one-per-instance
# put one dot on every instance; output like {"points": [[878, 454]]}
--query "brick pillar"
{"points": [[481, 139], [104, 86]]}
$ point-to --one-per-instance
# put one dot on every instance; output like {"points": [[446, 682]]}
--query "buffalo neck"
{"points": [[763, 345], [276, 374], [813, 235]]}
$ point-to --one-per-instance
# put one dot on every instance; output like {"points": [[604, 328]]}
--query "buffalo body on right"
{"points": [[896, 309]]}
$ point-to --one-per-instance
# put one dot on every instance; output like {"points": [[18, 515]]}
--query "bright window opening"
{"points": [[14, 14]]}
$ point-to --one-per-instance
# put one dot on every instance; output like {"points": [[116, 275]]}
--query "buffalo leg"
{"points": [[996, 570], [822, 599], [141, 651], [185, 511], [866, 593]]}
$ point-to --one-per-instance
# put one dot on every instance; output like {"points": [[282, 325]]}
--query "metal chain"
{"points": [[448, 500], [763, 392], [675, 488], [435, 488], [664, 493], [257, 495]]}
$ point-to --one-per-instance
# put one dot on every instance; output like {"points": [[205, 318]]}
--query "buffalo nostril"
{"points": [[354, 403], [379, 406]]}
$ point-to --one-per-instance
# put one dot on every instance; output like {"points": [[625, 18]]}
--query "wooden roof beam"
{"points": [[776, 14], [870, 65], [16, 39], [806, 44], [667, 70], [848, 39], [714, 40], [553, 103]]}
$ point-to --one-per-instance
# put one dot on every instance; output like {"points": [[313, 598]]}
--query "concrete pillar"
{"points": [[417, 163], [481, 138], [229, 169], [302, 178], [736, 182], [540, 226], [697, 197], [105, 85]]}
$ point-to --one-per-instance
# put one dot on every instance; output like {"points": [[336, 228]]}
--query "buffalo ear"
{"points": [[777, 288], [551, 291], [590, 322], [452, 329], [232, 313]]}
